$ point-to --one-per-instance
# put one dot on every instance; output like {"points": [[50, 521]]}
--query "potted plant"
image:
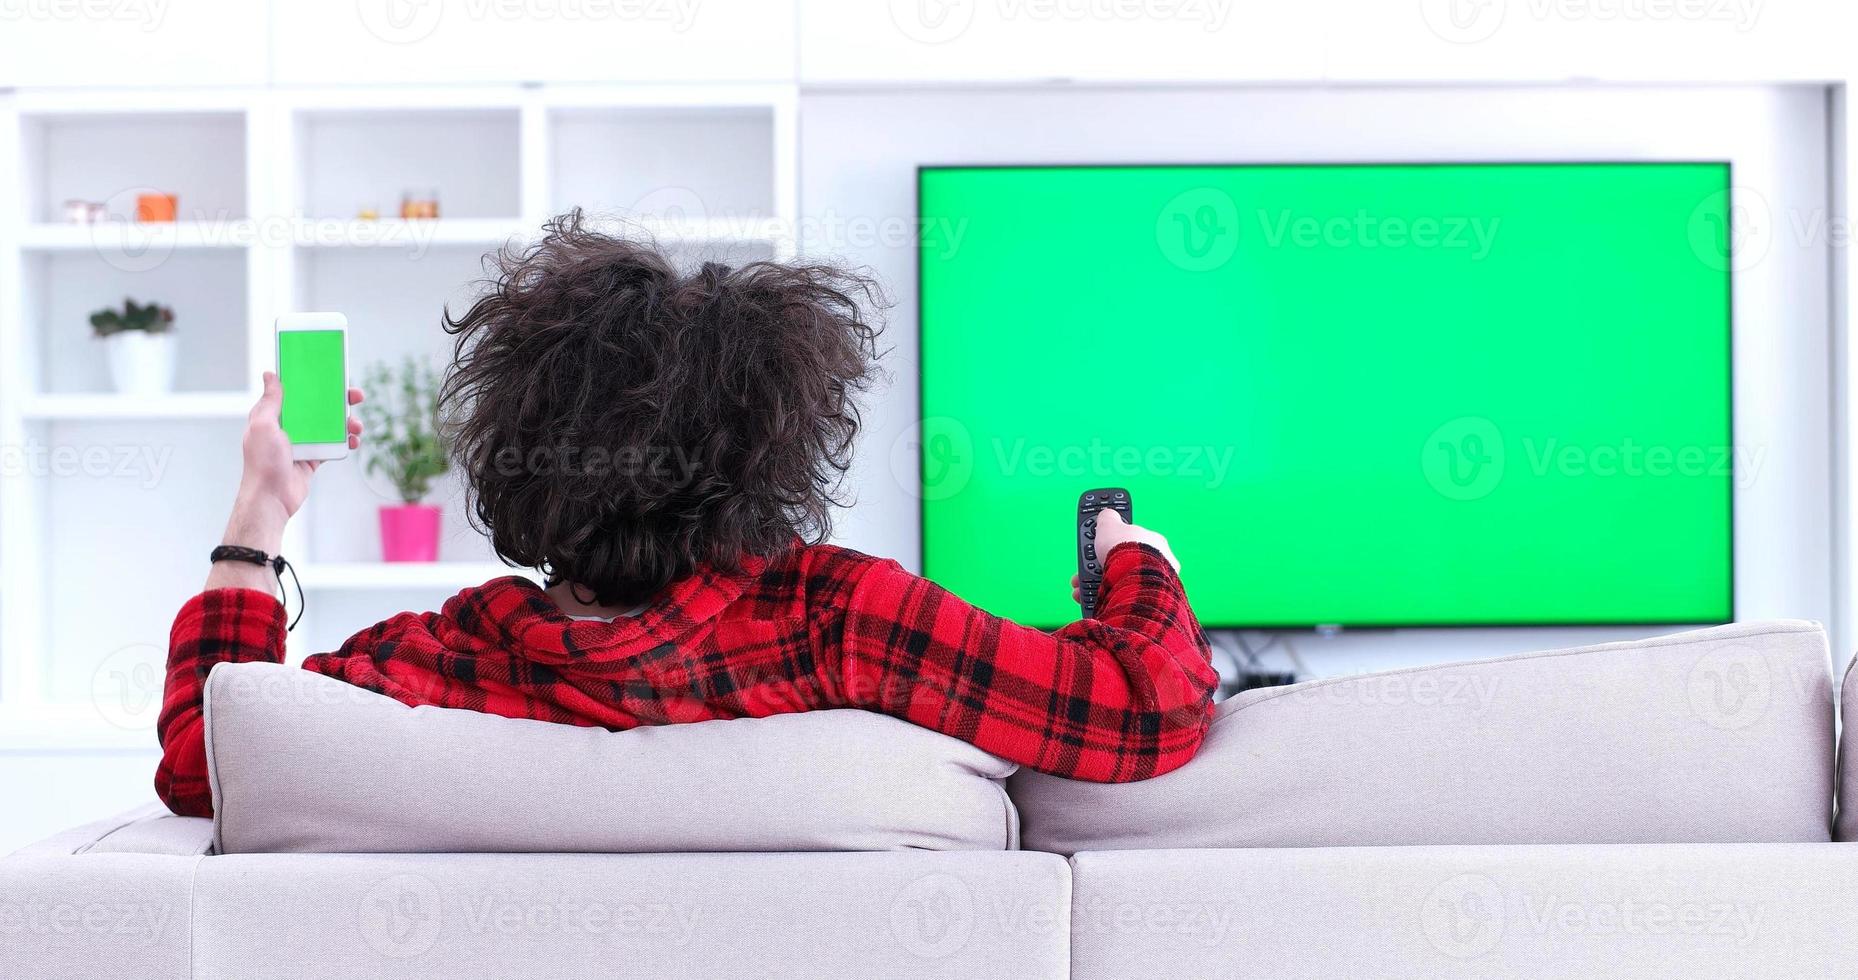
{"points": [[139, 346], [405, 445]]}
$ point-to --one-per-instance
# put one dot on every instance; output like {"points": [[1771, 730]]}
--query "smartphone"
{"points": [[312, 364]]}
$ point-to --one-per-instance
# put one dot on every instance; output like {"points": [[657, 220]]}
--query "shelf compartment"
{"points": [[350, 159], [207, 288], [674, 164], [110, 158]]}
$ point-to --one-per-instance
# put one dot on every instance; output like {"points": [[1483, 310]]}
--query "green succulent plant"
{"points": [[152, 318], [403, 440]]}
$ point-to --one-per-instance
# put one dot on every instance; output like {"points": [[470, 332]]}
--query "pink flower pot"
{"points": [[410, 533]]}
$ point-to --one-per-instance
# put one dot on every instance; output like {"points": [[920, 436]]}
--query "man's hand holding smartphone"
{"points": [[277, 471]]}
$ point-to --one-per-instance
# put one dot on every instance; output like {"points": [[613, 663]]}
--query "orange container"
{"points": [[156, 207]]}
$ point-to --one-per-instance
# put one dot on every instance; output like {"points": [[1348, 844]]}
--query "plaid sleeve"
{"points": [[214, 627], [1119, 698]]}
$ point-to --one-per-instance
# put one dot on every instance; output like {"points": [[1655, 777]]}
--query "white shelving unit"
{"points": [[110, 498]]}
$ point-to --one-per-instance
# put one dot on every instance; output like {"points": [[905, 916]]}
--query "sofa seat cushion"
{"points": [[897, 916], [1467, 913], [1722, 734], [300, 762]]}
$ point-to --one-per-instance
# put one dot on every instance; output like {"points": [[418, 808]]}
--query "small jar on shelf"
{"points": [[420, 204]]}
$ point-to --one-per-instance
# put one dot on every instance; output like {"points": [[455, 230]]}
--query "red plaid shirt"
{"points": [[1119, 698]]}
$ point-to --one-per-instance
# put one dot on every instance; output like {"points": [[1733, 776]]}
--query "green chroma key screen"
{"points": [[1365, 395], [312, 370]]}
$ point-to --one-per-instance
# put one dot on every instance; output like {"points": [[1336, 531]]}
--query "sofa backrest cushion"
{"points": [[305, 763], [1847, 829], [1722, 734]]}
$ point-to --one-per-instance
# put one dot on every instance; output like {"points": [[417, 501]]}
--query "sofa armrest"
{"points": [[148, 829]]}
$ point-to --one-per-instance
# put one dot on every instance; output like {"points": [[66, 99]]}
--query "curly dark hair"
{"points": [[620, 422]]}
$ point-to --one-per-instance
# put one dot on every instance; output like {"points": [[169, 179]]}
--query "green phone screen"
{"points": [[311, 366]]}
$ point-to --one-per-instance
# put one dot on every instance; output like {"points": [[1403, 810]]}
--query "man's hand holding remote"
{"points": [[1112, 530]]}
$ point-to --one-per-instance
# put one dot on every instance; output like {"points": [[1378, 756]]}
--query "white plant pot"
{"points": [[141, 363]]}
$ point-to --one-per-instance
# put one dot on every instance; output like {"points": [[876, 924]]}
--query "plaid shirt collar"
{"points": [[516, 613]]}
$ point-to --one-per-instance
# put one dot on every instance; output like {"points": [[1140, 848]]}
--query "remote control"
{"points": [[1089, 562]]}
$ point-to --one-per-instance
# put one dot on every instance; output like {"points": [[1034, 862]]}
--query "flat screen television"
{"points": [[1357, 395]]}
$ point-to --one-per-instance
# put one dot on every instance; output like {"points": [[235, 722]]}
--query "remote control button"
{"points": [[1090, 522], [1090, 498], [1090, 552], [1121, 495], [1090, 535], [1092, 566]]}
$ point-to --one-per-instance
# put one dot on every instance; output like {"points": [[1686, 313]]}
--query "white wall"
{"points": [[858, 157], [859, 151], [232, 42]]}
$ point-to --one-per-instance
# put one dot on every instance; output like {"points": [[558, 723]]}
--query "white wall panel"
{"points": [[92, 43], [412, 41]]}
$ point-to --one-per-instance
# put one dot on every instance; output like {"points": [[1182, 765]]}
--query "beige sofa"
{"points": [[1652, 809]]}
